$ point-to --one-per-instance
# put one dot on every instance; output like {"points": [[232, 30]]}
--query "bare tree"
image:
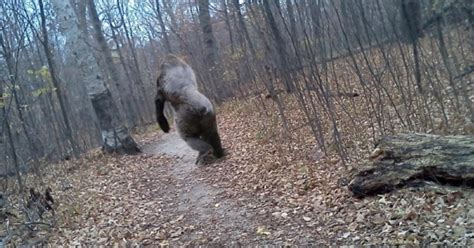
{"points": [[13, 151], [115, 135], [161, 21], [209, 42], [393, 66], [56, 83], [281, 52], [107, 55]]}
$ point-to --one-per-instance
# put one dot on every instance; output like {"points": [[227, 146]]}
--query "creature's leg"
{"points": [[199, 145], [160, 117], [211, 136], [201, 158]]}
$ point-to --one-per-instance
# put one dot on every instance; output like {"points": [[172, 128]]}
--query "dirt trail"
{"points": [[213, 219]]}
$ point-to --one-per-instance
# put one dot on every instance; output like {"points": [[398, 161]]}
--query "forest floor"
{"points": [[260, 193]]}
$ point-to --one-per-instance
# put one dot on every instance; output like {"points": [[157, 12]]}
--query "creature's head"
{"points": [[168, 62], [171, 61]]}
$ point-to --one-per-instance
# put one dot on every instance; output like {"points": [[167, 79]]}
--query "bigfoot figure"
{"points": [[194, 113]]}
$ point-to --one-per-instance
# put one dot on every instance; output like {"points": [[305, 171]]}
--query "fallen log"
{"points": [[406, 158]]}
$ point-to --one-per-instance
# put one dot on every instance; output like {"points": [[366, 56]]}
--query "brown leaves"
{"points": [[38, 203], [112, 201], [279, 190], [309, 190]]}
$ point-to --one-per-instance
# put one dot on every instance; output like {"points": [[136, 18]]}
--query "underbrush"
{"points": [[286, 173]]}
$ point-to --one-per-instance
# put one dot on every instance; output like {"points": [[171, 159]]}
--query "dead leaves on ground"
{"points": [[297, 196], [301, 189]]}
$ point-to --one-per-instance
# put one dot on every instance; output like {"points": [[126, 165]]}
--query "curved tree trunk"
{"points": [[115, 135]]}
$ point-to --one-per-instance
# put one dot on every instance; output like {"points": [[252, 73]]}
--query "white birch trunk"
{"points": [[115, 135]]}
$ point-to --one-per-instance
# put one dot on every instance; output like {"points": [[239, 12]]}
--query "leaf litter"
{"points": [[265, 191]]}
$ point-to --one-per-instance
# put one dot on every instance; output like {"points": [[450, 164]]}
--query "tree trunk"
{"points": [[407, 158], [135, 65], [208, 34], [137, 115], [282, 55], [243, 28], [210, 43], [16, 163], [294, 31], [10, 68], [115, 135], [56, 83], [107, 55], [166, 39], [318, 30], [411, 27], [229, 27], [291, 16]]}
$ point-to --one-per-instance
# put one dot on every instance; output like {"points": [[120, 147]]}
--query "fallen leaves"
{"points": [[270, 191], [261, 230], [307, 193]]}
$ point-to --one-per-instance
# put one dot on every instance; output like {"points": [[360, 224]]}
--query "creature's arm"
{"points": [[160, 117]]}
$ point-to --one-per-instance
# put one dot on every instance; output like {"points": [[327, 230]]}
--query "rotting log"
{"points": [[403, 159]]}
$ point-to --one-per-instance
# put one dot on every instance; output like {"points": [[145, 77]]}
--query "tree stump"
{"points": [[405, 158]]}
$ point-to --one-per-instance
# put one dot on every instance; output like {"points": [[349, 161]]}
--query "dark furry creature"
{"points": [[194, 114]]}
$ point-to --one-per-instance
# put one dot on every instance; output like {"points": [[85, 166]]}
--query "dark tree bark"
{"points": [[166, 39], [107, 55], [411, 19], [291, 16], [208, 34], [243, 27], [282, 55], [406, 158], [135, 65], [294, 31], [130, 89], [10, 67], [227, 23], [6, 124], [319, 30], [211, 46], [411, 26]]}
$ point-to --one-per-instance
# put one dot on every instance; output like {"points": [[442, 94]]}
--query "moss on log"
{"points": [[401, 159]]}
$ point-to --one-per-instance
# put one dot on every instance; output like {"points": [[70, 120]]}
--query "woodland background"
{"points": [[411, 67]]}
